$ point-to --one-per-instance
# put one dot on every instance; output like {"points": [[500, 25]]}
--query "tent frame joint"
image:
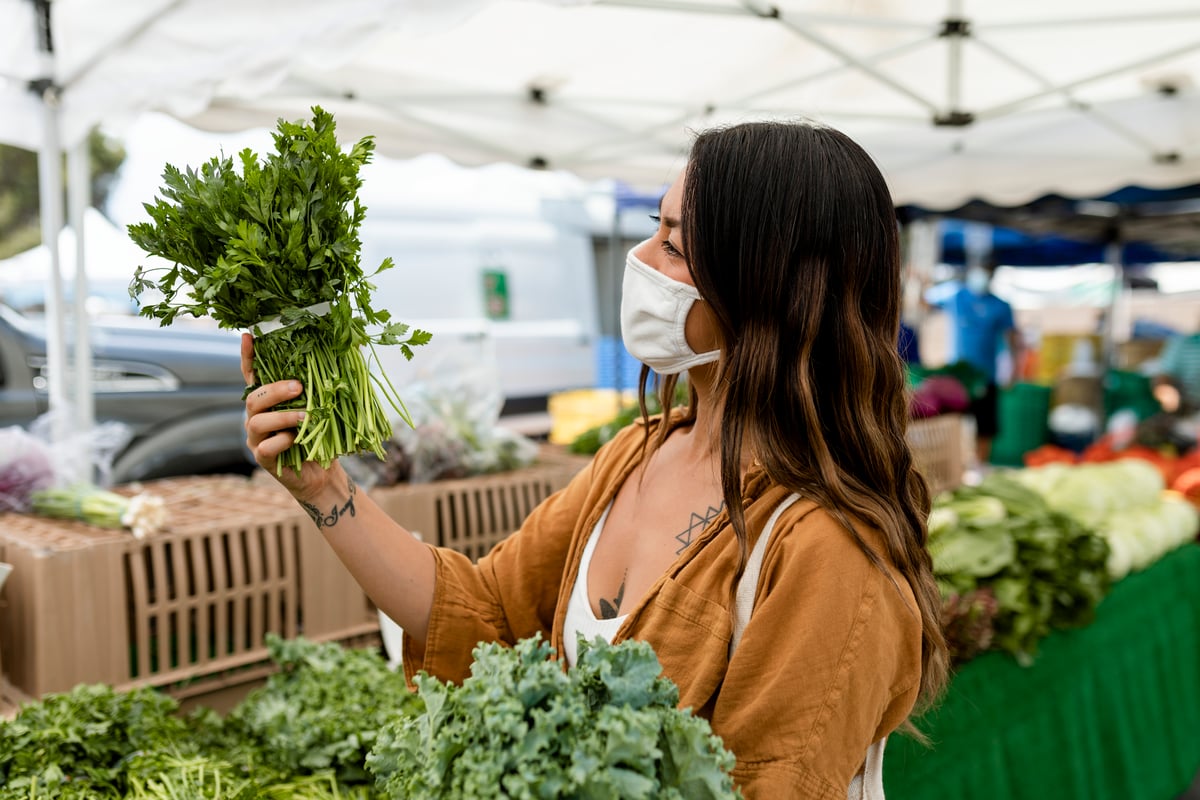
{"points": [[955, 118], [955, 28], [47, 89]]}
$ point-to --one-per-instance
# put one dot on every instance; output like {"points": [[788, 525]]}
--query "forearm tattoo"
{"points": [[696, 526], [336, 513]]}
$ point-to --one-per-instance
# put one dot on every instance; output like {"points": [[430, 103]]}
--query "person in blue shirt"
{"points": [[1179, 369], [981, 326]]}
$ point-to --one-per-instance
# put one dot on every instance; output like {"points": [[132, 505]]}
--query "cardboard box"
{"points": [[190, 605]]}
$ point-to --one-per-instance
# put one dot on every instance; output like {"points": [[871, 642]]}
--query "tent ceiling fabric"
{"points": [[1075, 97], [115, 58], [1070, 97]]}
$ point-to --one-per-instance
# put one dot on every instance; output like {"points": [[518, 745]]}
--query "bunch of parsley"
{"points": [[269, 243], [521, 727]]}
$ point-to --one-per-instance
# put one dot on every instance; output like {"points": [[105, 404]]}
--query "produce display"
{"points": [[337, 723], [1124, 502], [945, 390], [608, 728], [144, 514], [1034, 549], [1011, 567], [274, 249]]}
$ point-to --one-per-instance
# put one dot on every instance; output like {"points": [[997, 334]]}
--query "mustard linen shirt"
{"points": [[829, 662]]}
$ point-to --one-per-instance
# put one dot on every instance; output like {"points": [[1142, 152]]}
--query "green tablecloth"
{"points": [[1107, 711]]}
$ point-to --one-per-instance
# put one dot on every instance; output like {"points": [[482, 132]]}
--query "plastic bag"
{"points": [[456, 410], [25, 467], [82, 456]]}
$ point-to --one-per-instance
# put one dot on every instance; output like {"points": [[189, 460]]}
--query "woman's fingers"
{"points": [[248, 359], [271, 422], [269, 433], [271, 447], [264, 398]]}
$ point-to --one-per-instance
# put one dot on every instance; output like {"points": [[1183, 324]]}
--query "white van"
{"points": [[496, 262]]}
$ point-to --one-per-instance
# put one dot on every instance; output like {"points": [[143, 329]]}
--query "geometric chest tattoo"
{"points": [[696, 526]]}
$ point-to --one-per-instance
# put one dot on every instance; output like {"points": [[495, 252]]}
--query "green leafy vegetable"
{"points": [[607, 728], [520, 727], [269, 244], [1041, 568], [322, 710]]}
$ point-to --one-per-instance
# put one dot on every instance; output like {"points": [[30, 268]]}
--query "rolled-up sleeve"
{"points": [[512, 592]]}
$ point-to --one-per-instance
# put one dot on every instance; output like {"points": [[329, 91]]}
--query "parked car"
{"points": [[178, 389]]}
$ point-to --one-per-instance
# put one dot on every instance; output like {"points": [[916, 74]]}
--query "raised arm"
{"points": [[393, 568]]}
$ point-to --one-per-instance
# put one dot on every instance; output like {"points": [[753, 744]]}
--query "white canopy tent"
{"points": [[955, 99], [69, 65]]}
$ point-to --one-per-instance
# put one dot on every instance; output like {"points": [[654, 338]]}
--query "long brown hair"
{"points": [[792, 240]]}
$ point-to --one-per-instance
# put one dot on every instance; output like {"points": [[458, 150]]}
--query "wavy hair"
{"points": [[792, 240]]}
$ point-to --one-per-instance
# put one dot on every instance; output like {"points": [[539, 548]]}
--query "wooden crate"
{"points": [[472, 514], [938, 449], [240, 560]]}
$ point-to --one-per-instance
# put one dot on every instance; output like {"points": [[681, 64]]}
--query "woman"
{"points": [[774, 281]]}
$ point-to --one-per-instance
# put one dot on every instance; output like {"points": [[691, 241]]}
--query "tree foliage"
{"points": [[19, 214]]}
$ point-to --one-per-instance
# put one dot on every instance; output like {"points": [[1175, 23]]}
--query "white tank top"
{"points": [[580, 618]]}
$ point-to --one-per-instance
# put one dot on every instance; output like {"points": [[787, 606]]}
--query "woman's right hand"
{"points": [[269, 432]]}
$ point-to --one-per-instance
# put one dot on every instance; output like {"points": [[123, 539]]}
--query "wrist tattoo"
{"points": [[336, 513], [696, 526]]}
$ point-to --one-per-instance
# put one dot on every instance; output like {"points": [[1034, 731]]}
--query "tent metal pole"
{"points": [[807, 19], [1008, 108], [51, 210], [954, 52], [862, 65], [737, 104], [1114, 254], [1075, 22], [1083, 108], [78, 200], [613, 311]]}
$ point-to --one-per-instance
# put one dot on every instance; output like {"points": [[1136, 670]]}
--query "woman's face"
{"points": [[664, 252]]}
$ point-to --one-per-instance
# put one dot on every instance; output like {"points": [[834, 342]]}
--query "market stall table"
{"points": [[1107, 711]]}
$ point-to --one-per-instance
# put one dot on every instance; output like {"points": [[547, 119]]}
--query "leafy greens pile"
{"points": [[274, 249], [520, 727], [1042, 569], [338, 723], [304, 735]]}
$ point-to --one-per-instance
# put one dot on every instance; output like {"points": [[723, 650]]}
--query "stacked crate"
{"points": [[186, 610]]}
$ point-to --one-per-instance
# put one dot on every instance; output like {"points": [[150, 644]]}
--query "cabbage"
{"points": [[975, 553], [1181, 516], [1044, 567], [1093, 492]]}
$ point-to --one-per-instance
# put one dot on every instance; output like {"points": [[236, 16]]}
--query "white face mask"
{"points": [[654, 309], [977, 281]]}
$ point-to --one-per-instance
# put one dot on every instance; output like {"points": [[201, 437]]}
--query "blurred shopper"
{"points": [[773, 280], [981, 325], [1177, 384]]}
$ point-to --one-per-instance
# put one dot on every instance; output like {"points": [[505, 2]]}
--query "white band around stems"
{"points": [[276, 324]]}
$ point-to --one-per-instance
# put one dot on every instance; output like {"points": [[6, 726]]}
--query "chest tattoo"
{"points": [[609, 610], [696, 526]]}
